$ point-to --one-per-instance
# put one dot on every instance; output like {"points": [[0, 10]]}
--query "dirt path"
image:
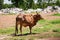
{"points": [[6, 37], [2, 37], [7, 20], [49, 39]]}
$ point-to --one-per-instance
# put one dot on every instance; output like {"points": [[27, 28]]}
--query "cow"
{"points": [[26, 20]]}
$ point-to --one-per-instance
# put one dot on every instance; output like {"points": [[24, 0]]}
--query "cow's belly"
{"points": [[25, 25]]}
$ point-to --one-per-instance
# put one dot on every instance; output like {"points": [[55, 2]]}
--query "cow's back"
{"points": [[29, 18], [25, 20]]}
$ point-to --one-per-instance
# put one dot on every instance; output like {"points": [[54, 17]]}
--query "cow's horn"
{"points": [[37, 12]]}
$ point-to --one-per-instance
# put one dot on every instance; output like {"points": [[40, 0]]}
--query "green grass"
{"points": [[57, 14], [6, 30], [47, 26], [57, 21], [56, 30]]}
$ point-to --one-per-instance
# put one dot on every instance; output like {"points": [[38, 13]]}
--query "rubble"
{"points": [[18, 10]]}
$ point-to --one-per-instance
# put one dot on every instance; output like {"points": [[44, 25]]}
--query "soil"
{"points": [[9, 20]]}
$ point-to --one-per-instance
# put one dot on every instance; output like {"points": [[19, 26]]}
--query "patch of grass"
{"points": [[55, 34], [7, 30], [57, 21], [57, 14], [56, 30], [42, 21], [35, 29]]}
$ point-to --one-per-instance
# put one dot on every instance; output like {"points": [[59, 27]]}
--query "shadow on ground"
{"points": [[23, 34]]}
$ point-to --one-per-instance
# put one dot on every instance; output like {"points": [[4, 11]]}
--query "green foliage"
{"points": [[49, 2], [44, 5], [5, 6], [27, 4], [41, 4], [17, 3], [1, 4], [24, 4], [8, 6], [58, 2]]}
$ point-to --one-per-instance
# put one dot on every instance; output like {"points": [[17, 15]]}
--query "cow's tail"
{"points": [[16, 28]]}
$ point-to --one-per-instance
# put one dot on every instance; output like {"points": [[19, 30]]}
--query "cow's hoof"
{"points": [[30, 33], [15, 34]]}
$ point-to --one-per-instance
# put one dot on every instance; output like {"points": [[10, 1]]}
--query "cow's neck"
{"points": [[35, 21]]}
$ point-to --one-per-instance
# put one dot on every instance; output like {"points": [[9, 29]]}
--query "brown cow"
{"points": [[26, 20]]}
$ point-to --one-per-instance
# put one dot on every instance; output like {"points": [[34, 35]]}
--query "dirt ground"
{"points": [[9, 20], [6, 37]]}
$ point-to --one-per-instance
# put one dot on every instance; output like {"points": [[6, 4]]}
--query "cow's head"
{"points": [[38, 16]]}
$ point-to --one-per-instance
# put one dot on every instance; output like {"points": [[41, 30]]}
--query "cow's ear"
{"points": [[37, 13]]}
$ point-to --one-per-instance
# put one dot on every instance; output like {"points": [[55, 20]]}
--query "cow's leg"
{"points": [[16, 29], [30, 29], [21, 29]]}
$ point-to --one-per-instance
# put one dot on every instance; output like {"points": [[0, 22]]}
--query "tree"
{"points": [[25, 4], [17, 3], [42, 4], [49, 2], [29, 3], [58, 2], [8, 6], [1, 4], [39, 3]]}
